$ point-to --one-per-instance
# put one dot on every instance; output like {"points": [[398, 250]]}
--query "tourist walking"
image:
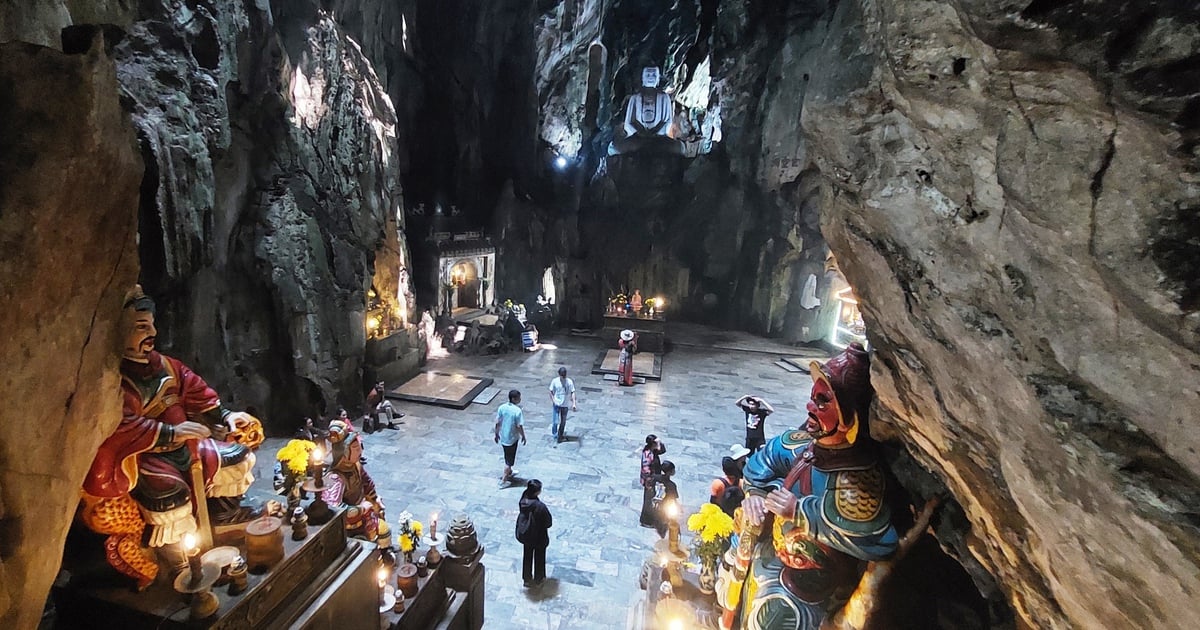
{"points": [[651, 467], [510, 425], [533, 525], [665, 492], [562, 390], [756, 410]]}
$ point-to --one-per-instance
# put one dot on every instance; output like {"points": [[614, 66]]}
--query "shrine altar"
{"points": [[651, 330]]}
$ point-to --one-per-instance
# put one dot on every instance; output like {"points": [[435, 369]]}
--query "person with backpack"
{"points": [[651, 467], [726, 491], [533, 532]]}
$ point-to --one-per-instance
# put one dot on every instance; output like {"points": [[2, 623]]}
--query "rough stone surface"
{"points": [[1012, 191], [995, 209], [275, 184], [69, 173]]}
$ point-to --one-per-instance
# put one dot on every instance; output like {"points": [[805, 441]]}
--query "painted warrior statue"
{"points": [[817, 497], [648, 116], [143, 473], [348, 485]]}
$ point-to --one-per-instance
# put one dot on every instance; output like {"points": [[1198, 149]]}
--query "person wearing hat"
{"points": [[817, 497], [756, 410], [628, 345]]}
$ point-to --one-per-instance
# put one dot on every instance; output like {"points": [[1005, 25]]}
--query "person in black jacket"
{"points": [[666, 492], [651, 467], [533, 532]]}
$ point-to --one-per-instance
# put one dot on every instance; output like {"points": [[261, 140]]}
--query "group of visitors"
{"points": [[534, 519]]}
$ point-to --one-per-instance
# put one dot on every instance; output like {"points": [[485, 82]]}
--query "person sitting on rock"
{"points": [[381, 408]]}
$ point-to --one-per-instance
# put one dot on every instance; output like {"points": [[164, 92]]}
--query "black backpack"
{"points": [[523, 521], [731, 498]]}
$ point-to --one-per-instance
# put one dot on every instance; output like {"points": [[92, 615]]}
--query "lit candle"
{"points": [[433, 526], [317, 465], [382, 575], [673, 526], [192, 551]]}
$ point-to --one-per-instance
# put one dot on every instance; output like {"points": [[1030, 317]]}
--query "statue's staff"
{"points": [[200, 495]]}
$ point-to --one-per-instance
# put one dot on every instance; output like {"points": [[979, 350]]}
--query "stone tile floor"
{"points": [[444, 460]]}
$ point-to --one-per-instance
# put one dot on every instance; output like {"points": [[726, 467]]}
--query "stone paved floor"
{"points": [[444, 460]]}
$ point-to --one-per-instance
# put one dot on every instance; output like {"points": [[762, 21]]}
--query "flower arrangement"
{"points": [[294, 457], [714, 529], [410, 531], [620, 300]]}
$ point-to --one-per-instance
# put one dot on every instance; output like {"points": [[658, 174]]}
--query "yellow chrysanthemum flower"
{"points": [[295, 456]]}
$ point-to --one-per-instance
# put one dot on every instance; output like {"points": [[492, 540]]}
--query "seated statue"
{"points": [[648, 116], [817, 497], [142, 474], [348, 485]]}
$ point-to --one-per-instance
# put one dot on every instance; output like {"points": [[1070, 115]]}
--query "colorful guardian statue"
{"points": [[349, 486], [814, 509], [143, 473]]}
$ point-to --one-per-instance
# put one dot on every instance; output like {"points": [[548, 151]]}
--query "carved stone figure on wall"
{"points": [[647, 123], [817, 497], [143, 473]]}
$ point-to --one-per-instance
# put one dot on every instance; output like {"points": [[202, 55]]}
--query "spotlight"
{"points": [[560, 163]]}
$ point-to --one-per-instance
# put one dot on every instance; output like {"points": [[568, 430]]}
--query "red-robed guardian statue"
{"points": [[141, 475]]}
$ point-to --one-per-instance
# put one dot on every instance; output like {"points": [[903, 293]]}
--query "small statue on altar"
{"points": [[635, 303], [174, 433], [628, 345], [817, 498], [349, 485], [648, 115]]}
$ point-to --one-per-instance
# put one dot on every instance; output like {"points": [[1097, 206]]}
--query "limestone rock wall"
{"points": [[275, 182], [1012, 191], [999, 209], [69, 175]]}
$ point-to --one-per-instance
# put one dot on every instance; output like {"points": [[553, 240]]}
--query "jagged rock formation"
{"points": [[274, 183], [1012, 190], [63, 134], [999, 212]]}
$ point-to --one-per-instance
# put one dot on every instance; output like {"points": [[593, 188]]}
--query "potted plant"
{"points": [[713, 531]]}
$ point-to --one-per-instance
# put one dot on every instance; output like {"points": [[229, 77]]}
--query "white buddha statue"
{"points": [[648, 116]]}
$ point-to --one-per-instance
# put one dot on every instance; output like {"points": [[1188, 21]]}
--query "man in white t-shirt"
{"points": [[562, 389]]}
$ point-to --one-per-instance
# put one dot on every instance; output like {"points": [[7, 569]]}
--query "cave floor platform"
{"points": [[443, 460]]}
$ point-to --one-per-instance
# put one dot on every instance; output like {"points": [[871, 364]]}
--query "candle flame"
{"points": [[189, 542], [672, 509], [382, 574], [676, 624], [318, 454]]}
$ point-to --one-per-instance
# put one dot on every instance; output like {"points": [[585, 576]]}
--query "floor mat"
{"points": [[645, 364], [441, 388]]}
